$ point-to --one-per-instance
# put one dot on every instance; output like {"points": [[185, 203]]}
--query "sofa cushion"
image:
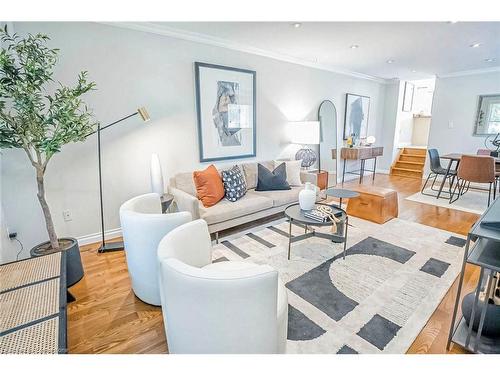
{"points": [[226, 210], [209, 186], [281, 197], [293, 168], [185, 182], [250, 172]]}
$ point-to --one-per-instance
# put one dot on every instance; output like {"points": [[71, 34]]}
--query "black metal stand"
{"points": [[481, 250], [360, 172], [113, 246]]}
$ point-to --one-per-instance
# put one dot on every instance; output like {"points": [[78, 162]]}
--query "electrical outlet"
{"points": [[67, 215], [450, 124]]}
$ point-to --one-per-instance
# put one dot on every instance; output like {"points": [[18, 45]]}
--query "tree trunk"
{"points": [[46, 211]]}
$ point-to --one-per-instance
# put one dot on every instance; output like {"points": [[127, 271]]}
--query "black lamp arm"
{"points": [[113, 123]]}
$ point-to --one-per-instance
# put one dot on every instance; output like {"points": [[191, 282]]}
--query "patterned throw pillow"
{"points": [[234, 183]]}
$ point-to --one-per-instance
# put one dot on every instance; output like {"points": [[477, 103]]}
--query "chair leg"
{"points": [[452, 181], [459, 186], [425, 183], [434, 183], [489, 195]]}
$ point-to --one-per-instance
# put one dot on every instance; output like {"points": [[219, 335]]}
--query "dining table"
{"points": [[455, 157]]}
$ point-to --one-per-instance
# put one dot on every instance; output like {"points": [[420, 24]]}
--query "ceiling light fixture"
{"points": [[297, 25], [413, 71], [452, 22], [475, 45], [354, 46], [390, 61], [489, 60]]}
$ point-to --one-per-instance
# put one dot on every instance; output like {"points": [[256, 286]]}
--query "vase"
{"points": [[156, 175], [307, 197]]}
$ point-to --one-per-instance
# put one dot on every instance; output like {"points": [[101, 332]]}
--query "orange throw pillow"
{"points": [[209, 186]]}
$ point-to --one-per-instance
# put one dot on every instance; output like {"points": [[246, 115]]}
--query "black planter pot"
{"points": [[491, 327], [74, 268]]}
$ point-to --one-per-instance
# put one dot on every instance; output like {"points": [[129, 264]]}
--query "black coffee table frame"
{"points": [[295, 214]]}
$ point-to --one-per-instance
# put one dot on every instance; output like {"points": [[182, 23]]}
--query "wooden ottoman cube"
{"points": [[374, 203]]}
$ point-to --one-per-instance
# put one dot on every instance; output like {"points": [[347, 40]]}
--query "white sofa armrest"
{"points": [[308, 177], [186, 202]]}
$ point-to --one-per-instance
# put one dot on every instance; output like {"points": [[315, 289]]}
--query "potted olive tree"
{"points": [[36, 120]]}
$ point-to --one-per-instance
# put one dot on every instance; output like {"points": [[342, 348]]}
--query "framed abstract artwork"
{"points": [[225, 106], [357, 108], [408, 96]]}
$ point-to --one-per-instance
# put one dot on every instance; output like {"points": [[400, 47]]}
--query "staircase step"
{"points": [[417, 166], [415, 158], [405, 172], [414, 151]]}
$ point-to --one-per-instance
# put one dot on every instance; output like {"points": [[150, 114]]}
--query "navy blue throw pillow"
{"points": [[275, 180]]}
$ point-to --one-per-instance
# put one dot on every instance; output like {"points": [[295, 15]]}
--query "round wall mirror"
{"points": [[327, 116]]}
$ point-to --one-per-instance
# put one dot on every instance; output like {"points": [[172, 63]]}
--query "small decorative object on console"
{"points": [[307, 197]]}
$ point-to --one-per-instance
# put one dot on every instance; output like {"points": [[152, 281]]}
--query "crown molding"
{"points": [[492, 69], [224, 43]]}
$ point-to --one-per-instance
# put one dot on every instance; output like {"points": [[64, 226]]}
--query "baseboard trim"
{"points": [[96, 237]]}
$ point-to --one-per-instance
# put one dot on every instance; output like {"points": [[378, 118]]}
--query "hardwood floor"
{"points": [[108, 318]]}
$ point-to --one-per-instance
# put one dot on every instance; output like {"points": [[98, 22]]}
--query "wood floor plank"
{"points": [[108, 318]]}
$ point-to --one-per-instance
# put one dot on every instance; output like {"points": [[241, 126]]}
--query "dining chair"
{"points": [[483, 151], [437, 170], [477, 169]]}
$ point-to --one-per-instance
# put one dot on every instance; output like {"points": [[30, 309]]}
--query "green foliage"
{"points": [[30, 118]]}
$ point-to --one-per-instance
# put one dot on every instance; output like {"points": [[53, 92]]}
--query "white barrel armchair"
{"points": [[223, 307], [143, 226]]}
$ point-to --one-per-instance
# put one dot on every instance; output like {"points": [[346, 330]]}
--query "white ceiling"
{"points": [[428, 48]]}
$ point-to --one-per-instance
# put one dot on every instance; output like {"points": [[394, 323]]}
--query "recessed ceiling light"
{"points": [[489, 60], [297, 25], [390, 61], [452, 22], [475, 45], [413, 71], [354, 46]]}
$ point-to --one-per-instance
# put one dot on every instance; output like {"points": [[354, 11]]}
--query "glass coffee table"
{"points": [[296, 215]]}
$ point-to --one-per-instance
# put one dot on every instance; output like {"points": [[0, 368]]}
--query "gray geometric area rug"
{"points": [[377, 300]]}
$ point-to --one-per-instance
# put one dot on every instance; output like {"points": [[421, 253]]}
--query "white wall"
{"points": [[132, 69], [421, 128], [386, 137], [455, 100]]}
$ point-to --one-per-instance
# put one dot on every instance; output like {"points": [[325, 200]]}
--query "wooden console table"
{"points": [[362, 153]]}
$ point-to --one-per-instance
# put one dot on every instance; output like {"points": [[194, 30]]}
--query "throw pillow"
{"points": [[275, 180], [209, 186], [234, 183], [293, 168]]}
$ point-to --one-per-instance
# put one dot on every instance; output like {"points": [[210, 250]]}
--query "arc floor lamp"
{"points": [[112, 246]]}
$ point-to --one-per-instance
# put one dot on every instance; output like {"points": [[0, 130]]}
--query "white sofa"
{"points": [[225, 214], [143, 226], [225, 307]]}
